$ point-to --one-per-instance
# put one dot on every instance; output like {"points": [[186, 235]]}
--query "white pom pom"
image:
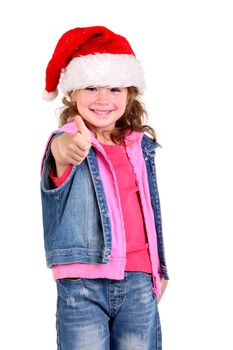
{"points": [[49, 96]]}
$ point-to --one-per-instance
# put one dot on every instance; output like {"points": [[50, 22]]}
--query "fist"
{"points": [[74, 148]]}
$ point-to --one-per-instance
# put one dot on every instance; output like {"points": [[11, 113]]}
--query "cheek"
{"points": [[81, 101], [122, 105], [82, 105]]}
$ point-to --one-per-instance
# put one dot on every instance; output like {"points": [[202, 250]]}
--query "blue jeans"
{"points": [[104, 314]]}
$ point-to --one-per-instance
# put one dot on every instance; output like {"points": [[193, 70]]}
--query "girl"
{"points": [[101, 211]]}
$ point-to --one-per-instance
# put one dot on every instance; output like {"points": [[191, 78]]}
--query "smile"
{"points": [[100, 112]]}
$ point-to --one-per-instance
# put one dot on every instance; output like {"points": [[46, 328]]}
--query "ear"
{"points": [[73, 96]]}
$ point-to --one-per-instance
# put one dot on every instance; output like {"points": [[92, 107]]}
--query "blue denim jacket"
{"points": [[76, 220]]}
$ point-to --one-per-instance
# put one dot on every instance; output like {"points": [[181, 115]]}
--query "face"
{"points": [[101, 106]]}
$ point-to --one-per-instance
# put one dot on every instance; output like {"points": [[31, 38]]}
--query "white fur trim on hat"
{"points": [[49, 96], [115, 70]]}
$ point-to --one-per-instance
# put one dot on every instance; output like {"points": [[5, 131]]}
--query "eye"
{"points": [[115, 89], [91, 88]]}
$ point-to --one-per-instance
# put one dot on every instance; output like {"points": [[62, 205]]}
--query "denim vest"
{"points": [[76, 220]]}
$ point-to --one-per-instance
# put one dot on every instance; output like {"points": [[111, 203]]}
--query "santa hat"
{"points": [[92, 56]]}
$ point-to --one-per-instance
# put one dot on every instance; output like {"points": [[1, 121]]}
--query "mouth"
{"points": [[102, 112]]}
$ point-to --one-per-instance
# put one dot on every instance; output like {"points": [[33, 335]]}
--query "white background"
{"points": [[186, 50]]}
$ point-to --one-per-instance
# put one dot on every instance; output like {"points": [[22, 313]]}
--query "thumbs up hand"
{"points": [[81, 139], [71, 148]]}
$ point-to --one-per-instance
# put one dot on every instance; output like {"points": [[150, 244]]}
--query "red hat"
{"points": [[92, 56]]}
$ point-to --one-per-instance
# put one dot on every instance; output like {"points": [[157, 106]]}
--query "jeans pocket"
{"points": [[147, 275], [69, 282], [69, 291], [70, 279]]}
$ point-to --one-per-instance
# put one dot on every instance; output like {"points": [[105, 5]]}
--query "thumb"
{"points": [[81, 127]]}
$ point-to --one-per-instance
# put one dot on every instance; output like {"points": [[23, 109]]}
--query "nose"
{"points": [[102, 95]]}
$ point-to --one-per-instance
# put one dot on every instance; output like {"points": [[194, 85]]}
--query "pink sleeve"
{"points": [[58, 181]]}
